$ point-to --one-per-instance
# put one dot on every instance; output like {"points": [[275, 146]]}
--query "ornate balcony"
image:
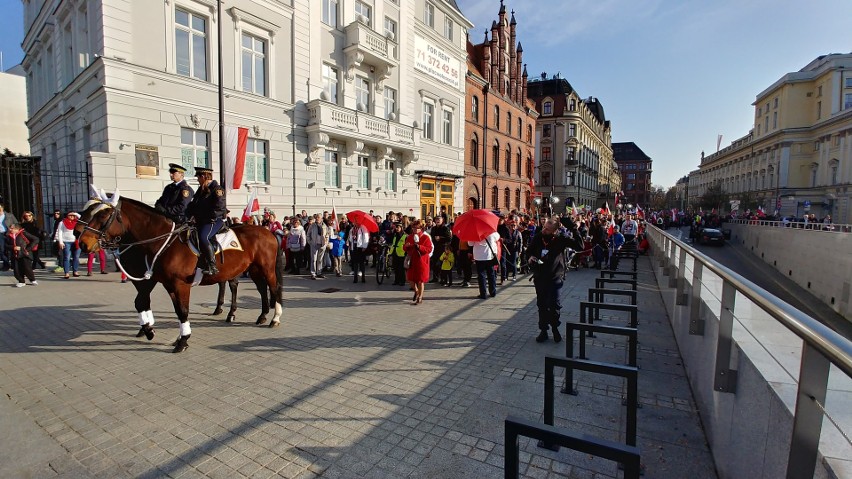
{"points": [[327, 120], [364, 45]]}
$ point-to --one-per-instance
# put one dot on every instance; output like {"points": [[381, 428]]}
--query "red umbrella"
{"points": [[475, 225], [361, 218]]}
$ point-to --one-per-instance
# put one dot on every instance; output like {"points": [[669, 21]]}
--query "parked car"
{"points": [[711, 236]]}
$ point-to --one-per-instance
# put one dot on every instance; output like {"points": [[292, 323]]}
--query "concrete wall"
{"points": [[819, 261], [750, 429], [13, 129]]}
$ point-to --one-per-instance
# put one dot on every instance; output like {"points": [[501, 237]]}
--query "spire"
{"points": [[486, 36], [493, 25], [525, 71], [520, 49], [513, 22], [502, 7]]}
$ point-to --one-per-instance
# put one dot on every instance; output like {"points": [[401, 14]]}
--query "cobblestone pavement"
{"points": [[355, 383]]}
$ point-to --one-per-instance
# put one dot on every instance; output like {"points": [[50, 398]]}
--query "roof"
{"points": [[628, 151]]}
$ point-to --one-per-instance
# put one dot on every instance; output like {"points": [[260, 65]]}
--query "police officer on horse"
{"points": [[176, 195], [208, 210]]}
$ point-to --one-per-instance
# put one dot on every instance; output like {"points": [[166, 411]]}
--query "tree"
{"points": [[714, 197], [658, 197]]}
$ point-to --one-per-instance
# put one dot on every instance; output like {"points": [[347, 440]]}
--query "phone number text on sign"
{"points": [[433, 61]]}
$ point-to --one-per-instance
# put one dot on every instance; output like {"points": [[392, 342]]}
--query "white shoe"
{"points": [[20, 285], [34, 283]]}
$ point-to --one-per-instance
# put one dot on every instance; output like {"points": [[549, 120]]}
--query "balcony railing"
{"points": [[333, 119], [377, 49]]}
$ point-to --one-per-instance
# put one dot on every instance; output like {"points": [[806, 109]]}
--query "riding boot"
{"points": [[210, 256], [182, 345], [554, 325]]}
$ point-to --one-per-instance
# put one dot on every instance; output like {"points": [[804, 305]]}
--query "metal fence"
{"points": [[831, 227], [26, 186], [702, 284]]}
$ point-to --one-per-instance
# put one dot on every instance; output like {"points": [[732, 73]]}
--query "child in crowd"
{"points": [[22, 254], [447, 259]]}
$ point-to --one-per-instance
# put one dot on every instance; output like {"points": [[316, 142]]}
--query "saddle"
{"points": [[222, 241]]}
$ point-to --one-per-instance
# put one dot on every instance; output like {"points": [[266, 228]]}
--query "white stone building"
{"points": [[328, 89], [13, 114]]}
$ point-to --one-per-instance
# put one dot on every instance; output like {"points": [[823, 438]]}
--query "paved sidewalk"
{"points": [[355, 383]]}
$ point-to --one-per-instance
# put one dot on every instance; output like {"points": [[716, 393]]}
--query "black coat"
{"points": [[554, 261], [174, 201], [208, 205], [27, 242]]}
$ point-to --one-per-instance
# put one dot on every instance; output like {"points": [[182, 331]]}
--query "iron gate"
{"points": [[24, 186]]}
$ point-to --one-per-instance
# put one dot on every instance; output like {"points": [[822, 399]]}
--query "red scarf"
{"points": [[69, 223]]}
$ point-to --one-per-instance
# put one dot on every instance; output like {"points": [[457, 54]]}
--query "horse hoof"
{"points": [[260, 321], [149, 332], [275, 324], [217, 311], [141, 332], [231, 319], [181, 345]]}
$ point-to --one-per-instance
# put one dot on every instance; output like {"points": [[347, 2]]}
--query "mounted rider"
{"points": [[208, 210], [176, 195]]}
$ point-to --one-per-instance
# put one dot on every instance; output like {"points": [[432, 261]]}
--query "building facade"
{"points": [[574, 157], [797, 158], [635, 168], [499, 123], [13, 115], [331, 92]]}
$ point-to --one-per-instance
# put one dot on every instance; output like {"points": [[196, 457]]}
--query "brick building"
{"points": [[635, 168], [499, 122]]}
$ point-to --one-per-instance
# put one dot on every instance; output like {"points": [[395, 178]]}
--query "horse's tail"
{"points": [[279, 273]]}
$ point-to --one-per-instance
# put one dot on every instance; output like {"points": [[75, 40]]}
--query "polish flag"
{"points": [[235, 156], [334, 223], [252, 207]]}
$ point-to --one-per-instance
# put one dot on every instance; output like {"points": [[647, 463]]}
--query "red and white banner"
{"points": [[235, 156], [252, 207]]}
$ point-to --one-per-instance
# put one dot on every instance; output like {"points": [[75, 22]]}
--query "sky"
{"points": [[671, 74]]}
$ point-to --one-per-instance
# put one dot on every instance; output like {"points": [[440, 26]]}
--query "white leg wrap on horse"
{"points": [[150, 317], [185, 330], [143, 318], [278, 311]]}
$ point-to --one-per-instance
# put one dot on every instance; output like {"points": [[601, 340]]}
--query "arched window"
{"points": [[495, 197], [495, 156], [518, 199], [474, 109], [509, 122], [496, 117], [518, 167], [547, 108], [520, 128], [507, 198], [529, 133], [474, 151], [508, 160]]}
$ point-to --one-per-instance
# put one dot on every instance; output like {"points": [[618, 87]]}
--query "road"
{"points": [[752, 268]]}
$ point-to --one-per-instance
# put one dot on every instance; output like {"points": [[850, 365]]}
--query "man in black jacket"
{"points": [[547, 261], [176, 195], [441, 236]]}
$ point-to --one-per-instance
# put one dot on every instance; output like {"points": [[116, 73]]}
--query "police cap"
{"points": [[173, 167], [200, 170]]}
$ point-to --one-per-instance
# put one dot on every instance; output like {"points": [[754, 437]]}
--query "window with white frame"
{"points": [[847, 100], [362, 169], [365, 10], [448, 28], [474, 108], [447, 129], [194, 149], [572, 130], [390, 175], [390, 102], [254, 64], [848, 82], [190, 44], [390, 29], [545, 131], [814, 172], [329, 12], [257, 161], [429, 14], [329, 82], [547, 108], [428, 113], [833, 166], [332, 169], [362, 94]]}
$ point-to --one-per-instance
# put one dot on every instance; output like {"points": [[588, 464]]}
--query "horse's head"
{"points": [[100, 224]]}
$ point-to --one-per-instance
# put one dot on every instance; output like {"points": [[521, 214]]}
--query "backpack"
{"points": [[294, 242]]}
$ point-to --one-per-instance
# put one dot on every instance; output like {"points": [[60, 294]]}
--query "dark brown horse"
{"points": [[152, 250]]}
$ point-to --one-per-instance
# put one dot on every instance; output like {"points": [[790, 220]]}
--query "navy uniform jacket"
{"points": [[208, 206], [554, 261], [175, 200]]}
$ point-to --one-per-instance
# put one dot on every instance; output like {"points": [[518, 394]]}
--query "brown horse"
{"points": [[154, 251]]}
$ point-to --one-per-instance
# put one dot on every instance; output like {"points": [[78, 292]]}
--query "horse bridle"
{"points": [[103, 241]]}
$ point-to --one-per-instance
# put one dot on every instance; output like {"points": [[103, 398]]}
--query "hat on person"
{"points": [[200, 170], [174, 167], [73, 213]]}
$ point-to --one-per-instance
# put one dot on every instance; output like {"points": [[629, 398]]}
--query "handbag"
{"points": [[407, 262]]}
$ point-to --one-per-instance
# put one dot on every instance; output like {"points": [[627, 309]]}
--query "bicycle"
{"points": [[384, 265]]}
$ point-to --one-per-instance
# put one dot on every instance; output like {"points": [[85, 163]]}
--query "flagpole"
{"points": [[221, 100]]}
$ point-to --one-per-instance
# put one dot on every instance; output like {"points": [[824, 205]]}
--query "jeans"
{"points": [[485, 271], [508, 263], [7, 263], [67, 252]]}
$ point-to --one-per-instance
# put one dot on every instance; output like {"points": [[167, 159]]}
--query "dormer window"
{"points": [[547, 108]]}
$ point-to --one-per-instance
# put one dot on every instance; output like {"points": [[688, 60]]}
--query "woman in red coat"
{"points": [[418, 245]]}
